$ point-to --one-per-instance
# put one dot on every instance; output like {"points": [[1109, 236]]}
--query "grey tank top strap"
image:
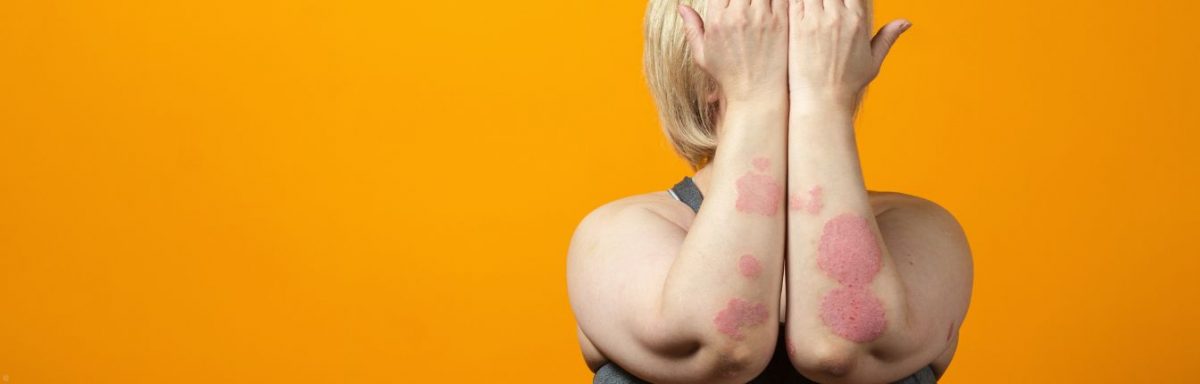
{"points": [[687, 192]]}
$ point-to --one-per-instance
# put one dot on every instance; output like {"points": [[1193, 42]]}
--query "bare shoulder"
{"points": [[912, 216], [922, 235], [618, 252], [654, 206]]}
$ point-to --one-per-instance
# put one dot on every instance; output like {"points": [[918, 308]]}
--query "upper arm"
{"points": [[933, 259], [616, 267]]}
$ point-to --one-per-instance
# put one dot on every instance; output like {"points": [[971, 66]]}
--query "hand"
{"points": [[742, 45], [832, 56]]}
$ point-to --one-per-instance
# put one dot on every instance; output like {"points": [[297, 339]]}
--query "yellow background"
{"points": [[383, 191]]}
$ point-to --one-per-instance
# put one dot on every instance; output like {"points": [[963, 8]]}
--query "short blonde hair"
{"points": [[680, 88]]}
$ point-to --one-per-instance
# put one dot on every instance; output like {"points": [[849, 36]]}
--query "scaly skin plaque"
{"points": [[738, 315], [749, 266], [850, 254], [758, 194], [855, 314]]}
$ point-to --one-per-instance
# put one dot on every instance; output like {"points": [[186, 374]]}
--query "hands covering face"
{"points": [[815, 49]]}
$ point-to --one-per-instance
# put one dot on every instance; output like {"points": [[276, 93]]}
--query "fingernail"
{"points": [[904, 27]]}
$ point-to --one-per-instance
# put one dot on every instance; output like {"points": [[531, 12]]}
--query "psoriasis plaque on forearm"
{"points": [[759, 193], [749, 267], [850, 254], [811, 205]]}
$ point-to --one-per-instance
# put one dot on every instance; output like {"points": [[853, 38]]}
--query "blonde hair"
{"points": [[679, 87]]}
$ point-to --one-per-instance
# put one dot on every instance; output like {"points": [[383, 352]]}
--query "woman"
{"points": [[790, 270]]}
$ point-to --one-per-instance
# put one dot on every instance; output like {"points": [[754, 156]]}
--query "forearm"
{"points": [[724, 284], [844, 292]]}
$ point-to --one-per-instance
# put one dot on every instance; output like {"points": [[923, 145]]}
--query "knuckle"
{"points": [[834, 18], [778, 23], [853, 19], [808, 25]]}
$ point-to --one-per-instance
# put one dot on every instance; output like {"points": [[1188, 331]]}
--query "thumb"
{"points": [[883, 41], [694, 31]]}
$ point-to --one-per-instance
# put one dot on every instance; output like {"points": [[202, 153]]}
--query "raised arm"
{"points": [[711, 314], [850, 313]]}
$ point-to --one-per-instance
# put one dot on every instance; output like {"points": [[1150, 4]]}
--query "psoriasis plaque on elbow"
{"points": [[749, 266], [855, 314], [759, 193], [738, 315], [850, 254]]}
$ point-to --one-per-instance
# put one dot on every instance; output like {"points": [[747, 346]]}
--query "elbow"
{"points": [[827, 362], [740, 343], [740, 356], [731, 361], [712, 356]]}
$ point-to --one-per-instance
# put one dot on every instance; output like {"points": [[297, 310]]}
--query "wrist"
{"points": [[821, 122], [827, 102], [765, 104]]}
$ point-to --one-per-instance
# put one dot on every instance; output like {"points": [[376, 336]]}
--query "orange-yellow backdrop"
{"points": [[383, 191]]}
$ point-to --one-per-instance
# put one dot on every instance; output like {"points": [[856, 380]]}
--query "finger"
{"points": [[780, 7], [797, 12], [886, 38], [813, 8], [693, 31], [737, 7], [714, 8], [855, 7], [760, 8], [832, 7]]}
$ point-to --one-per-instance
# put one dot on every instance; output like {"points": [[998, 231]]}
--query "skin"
{"points": [[749, 266], [667, 320], [660, 290], [758, 194], [738, 315], [812, 204], [816, 200], [849, 254], [854, 314]]}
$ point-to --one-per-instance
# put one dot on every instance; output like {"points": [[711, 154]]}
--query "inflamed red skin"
{"points": [[850, 254], [749, 267], [759, 193], [811, 205], [738, 315]]}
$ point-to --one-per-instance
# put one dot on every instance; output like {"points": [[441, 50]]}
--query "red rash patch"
{"points": [[749, 267], [758, 194], [849, 253], [816, 200], [814, 204], [795, 202], [854, 314], [739, 314]]}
